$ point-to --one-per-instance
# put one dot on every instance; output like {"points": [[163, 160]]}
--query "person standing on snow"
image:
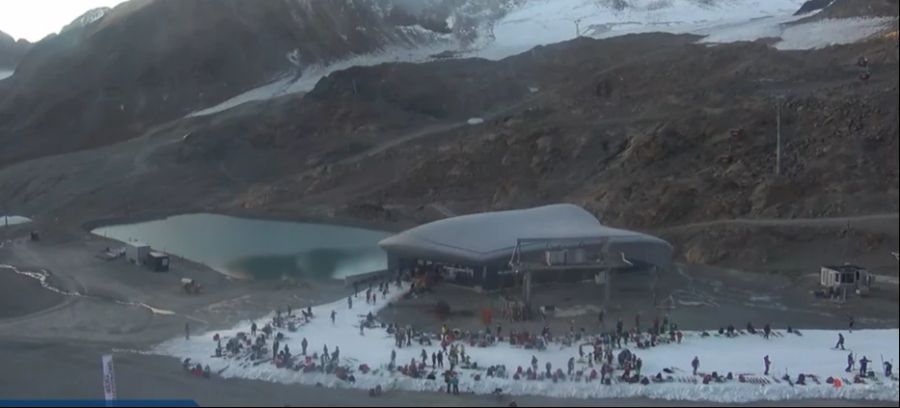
{"points": [[440, 358], [333, 315], [433, 360], [696, 364], [840, 342], [888, 369], [571, 365], [349, 303], [768, 363], [864, 366], [767, 331], [850, 362], [303, 344]]}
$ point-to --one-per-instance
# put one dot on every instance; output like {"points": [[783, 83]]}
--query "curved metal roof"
{"points": [[492, 236]]}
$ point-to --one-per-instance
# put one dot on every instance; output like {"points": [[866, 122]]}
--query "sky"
{"points": [[34, 19]]}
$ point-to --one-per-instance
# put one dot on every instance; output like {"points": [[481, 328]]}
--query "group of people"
{"points": [[864, 366], [603, 354], [197, 370], [730, 331]]}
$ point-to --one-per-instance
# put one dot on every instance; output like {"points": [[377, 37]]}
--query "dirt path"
{"points": [[791, 222]]}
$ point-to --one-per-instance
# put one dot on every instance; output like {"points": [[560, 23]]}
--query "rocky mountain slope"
{"points": [[149, 61], [11, 51], [649, 131], [658, 131]]}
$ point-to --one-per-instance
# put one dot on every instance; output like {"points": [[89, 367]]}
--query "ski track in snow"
{"points": [[13, 220], [42, 277], [311, 76], [810, 353], [542, 22]]}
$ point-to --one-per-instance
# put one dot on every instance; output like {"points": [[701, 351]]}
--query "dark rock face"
{"points": [[853, 8], [11, 51]]}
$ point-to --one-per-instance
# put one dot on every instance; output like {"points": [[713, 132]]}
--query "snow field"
{"points": [[810, 353]]}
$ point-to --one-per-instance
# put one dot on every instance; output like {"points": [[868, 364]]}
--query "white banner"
{"points": [[109, 378]]}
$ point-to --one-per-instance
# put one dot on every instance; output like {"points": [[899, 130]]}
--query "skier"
{"points": [[275, 349], [336, 354], [767, 330], [767, 363], [534, 363], [888, 369], [253, 329], [349, 303], [433, 360], [571, 365], [549, 369], [303, 344], [840, 343], [850, 362], [440, 358], [696, 364], [863, 366], [333, 315], [393, 357], [424, 357]]}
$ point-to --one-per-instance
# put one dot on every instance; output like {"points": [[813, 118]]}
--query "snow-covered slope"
{"points": [[529, 23], [822, 33], [541, 22], [309, 76], [810, 353], [87, 18]]}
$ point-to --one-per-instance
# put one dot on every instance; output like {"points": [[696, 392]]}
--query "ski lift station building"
{"points": [[556, 242]]}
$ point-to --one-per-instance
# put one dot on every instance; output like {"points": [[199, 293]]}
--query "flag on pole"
{"points": [[109, 378]]}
